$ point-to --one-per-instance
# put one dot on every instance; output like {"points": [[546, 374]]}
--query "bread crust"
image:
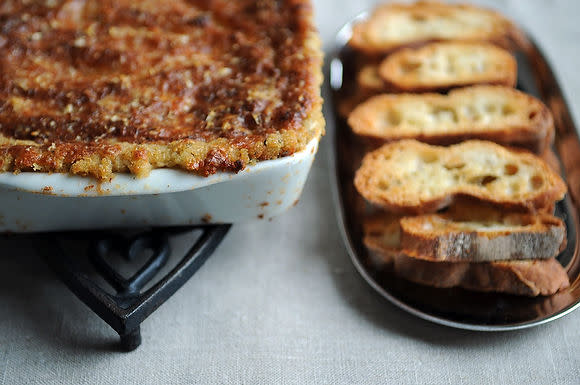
{"points": [[518, 236], [516, 119], [524, 277], [381, 34], [412, 177], [442, 66]]}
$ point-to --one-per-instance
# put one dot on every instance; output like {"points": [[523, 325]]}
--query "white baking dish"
{"points": [[36, 202]]}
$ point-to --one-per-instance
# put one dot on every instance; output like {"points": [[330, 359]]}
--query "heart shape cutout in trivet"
{"points": [[130, 250]]}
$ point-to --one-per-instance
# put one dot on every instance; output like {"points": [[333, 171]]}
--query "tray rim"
{"points": [[341, 39]]}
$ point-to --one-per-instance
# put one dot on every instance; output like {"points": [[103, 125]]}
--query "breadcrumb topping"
{"points": [[95, 87]]}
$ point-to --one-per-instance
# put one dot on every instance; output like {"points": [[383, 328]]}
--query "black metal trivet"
{"points": [[130, 304]]}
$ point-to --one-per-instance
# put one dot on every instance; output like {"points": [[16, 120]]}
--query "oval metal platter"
{"points": [[455, 307]]}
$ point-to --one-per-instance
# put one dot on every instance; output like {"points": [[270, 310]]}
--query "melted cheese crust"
{"points": [[93, 87]]}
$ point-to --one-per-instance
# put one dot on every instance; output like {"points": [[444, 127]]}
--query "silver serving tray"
{"points": [[456, 307]]}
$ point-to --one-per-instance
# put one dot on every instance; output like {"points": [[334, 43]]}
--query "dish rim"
{"points": [[159, 181]]}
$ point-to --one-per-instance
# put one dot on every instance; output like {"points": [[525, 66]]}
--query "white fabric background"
{"points": [[280, 302]]}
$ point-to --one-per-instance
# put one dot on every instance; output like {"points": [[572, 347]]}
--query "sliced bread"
{"points": [[441, 66], [499, 114], [412, 177], [523, 277], [370, 81], [392, 26], [482, 235], [529, 278]]}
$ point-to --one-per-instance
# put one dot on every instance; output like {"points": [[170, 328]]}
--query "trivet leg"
{"points": [[131, 340]]}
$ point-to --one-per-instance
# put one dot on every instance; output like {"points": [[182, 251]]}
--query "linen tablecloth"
{"points": [[280, 302]]}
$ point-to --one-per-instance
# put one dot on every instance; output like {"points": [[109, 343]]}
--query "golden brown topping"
{"points": [[91, 80]]}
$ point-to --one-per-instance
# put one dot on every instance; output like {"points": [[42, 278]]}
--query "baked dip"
{"points": [[94, 87]]}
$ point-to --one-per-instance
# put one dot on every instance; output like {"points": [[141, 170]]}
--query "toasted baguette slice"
{"points": [[441, 66], [525, 277], [484, 236], [529, 278], [499, 114], [370, 81], [382, 234], [413, 177], [392, 26]]}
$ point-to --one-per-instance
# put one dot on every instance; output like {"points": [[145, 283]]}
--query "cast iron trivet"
{"points": [[130, 304]]}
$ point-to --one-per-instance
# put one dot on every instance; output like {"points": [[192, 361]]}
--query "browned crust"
{"points": [[375, 166], [390, 69], [535, 135], [540, 236], [525, 277], [504, 34], [105, 86]]}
